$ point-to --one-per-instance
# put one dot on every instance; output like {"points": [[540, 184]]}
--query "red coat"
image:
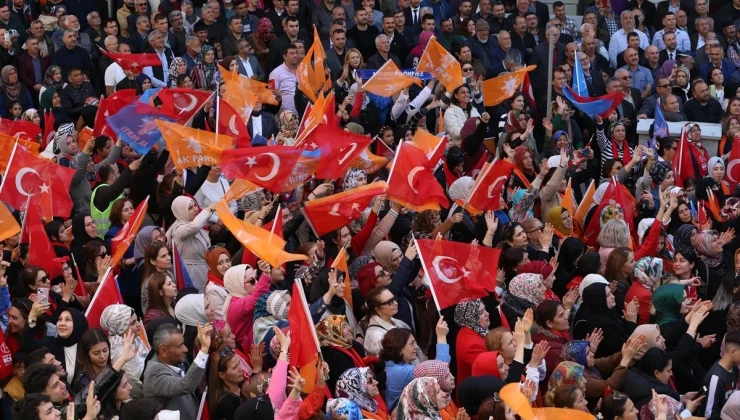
{"points": [[552, 358], [644, 297], [469, 345]]}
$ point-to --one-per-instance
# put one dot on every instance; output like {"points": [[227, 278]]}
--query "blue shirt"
{"points": [[640, 77], [398, 375]]}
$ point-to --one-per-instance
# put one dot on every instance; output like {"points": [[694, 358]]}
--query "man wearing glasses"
{"points": [[141, 9], [122, 14], [663, 88]]}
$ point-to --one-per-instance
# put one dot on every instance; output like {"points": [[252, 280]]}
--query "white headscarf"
{"points": [[459, 190], [234, 283], [191, 310], [589, 280], [179, 208]]}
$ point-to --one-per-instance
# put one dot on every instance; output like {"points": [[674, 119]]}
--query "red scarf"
{"points": [[560, 334], [626, 154], [215, 279]]}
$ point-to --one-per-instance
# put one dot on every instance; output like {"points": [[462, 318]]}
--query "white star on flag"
{"points": [[251, 161], [44, 188], [510, 86], [314, 146]]}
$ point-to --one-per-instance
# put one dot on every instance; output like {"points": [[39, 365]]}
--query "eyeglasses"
{"points": [[226, 351], [44, 280], [390, 301], [382, 273], [467, 69], [625, 78], [535, 229], [664, 86]]}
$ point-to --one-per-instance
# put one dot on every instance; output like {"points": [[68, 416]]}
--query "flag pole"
{"points": [[218, 108], [10, 161], [426, 275], [315, 232], [25, 216], [202, 403], [550, 51], [390, 174], [77, 268]]}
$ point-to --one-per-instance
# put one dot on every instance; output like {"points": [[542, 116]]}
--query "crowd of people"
{"points": [[618, 288]]}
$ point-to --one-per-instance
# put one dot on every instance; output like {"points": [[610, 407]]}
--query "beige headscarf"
{"points": [[234, 283], [180, 211], [384, 254], [652, 332]]}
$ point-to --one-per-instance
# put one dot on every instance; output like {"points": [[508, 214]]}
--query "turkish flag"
{"points": [[304, 344], [230, 123], [456, 271], [109, 106], [330, 213], [682, 165], [733, 172], [488, 186], [315, 114], [7, 143], [614, 195], [338, 147], [22, 129], [269, 166], [275, 227], [134, 62], [40, 250], [183, 103], [125, 237], [106, 295], [412, 183], [43, 180]]}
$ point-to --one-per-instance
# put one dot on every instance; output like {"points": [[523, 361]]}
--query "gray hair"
{"points": [[141, 19], [583, 27], [379, 38], [614, 234], [513, 57], [71, 31], [163, 334], [626, 13], [154, 33], [191, 39], [110, 38], [426, 11], [550, 23], [173, 14], [205, 7], [89, 15]]}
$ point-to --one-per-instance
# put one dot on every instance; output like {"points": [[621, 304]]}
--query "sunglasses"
{"points": [[625, 78], [226, 351], [251, 281], [467, 69], [44, 280], [536, 229], [103, 254], [390, 301]]}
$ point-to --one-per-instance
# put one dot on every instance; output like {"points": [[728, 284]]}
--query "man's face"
{"points": [[383, 45], [399, 19], [368, 3], [590, 18], [32, 45], [428, 25], [663, 87], [56, 390], [589, 45], [482, 35], [70, 40], [111, 28], [628, 21], [624, 78], [559, 12], [613, 86], [485, 6], [75, 78], [202, 36], [141, 7], [531, 21], [339, 13], [292, 7], [466, 54], [634, 42], [466, 8], [176, 349], [361, 16], [236, 26], [571, 50], [143, 25], [446, 26], [499, 11], [504, 40], [631, 57], [124, 49], [4, 12], [292, 57], [701, 91], [669, 21], [702, 26], [558, 78], [37, 29], [19, 3], [73, 22], [652, 54], [670, 41], [339, 40], [681, 18], [520, 24], [715, 55], [292, 28], [730, 31], [162, 25], [157, 41], [242, 10], [47, 411], [522, 6], [415, 3], [94, 19], [388, 25], [701, 7]]}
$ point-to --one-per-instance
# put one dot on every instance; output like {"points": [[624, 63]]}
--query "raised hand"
{"points": [[282, 339], [204, 336], [707, 340], [539, 352], [570, 299], [519, 333], [595, 339], [546, 237], [528, 320], [491, 221], [92, 403], [441, 329], [631, 348], [630, 311], [528, 388], [256, 357]]}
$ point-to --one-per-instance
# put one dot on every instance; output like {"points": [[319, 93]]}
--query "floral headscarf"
{"points": [[210, 71], [648, 271], [704, 248], [350, 179], [13, 90], [287, 122], [343, 409], [353, 383], [172, 73], [419, 400], [526, 286], [610, 212], [49, 78], [467, 314], [648, 411], [263, 27], [434, 369], [566, 374], [424, 222], [330, 332], [216, 339], [30, 114]]}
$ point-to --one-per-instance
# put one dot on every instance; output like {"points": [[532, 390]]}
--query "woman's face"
{"points": [[442, 399], [228, 337], [522, 119], [735, 110], [695, 134], [685, 304], [483, 319], [503, 368], [146, 84], [354, 60], [734, 124], [666, 374], [630, 411], [681, 79], [471, 27], [717, 77], [610, 301], [372, 387], [567, 219], [90, 227], [716, 245], [580, 401], [127, 211], [182, 67], [509, 412], [62, 234], [42, 279], [527, 161], [56, 101], [17, 110], [389, 304], [257, 104], [629, 265], [163, 261], [210, 310], [99, 354], [409, 135], [549, 280], [57, 75], [562, 142], [209, 57], [382, 277], [65, 325], [192, 209], [408, 352], [560, 321], [718, 172], [681, 266], [71, 145], [223, 263], [520, 238], [396, 258], [187, 83], [518, 103], [463, 96], [508, 346], [250, 279], [347, 332], [16, 321], [169, 289], [233, 66], [158, 236], [234, 373], [361, 179], [134, 326], [684, 213], [123, 392], [36, 119], [619, 133]]}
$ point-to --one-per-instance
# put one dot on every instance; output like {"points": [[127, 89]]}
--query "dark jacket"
{"points": [[269, 126], [73, 100], [25, 70]]}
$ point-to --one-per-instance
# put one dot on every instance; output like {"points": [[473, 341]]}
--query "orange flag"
{"points": [[503, 87], [315, 117], [239, 97], [567, 202], [340, 263], [441, 64], [310, 73], [369, 162], [319, 56], [389, 80], [236, 83], [426, 141], [585, 204], [125, 237], [190, 147], [239, 189], [264, 244], [6, 148], [8, 225]]}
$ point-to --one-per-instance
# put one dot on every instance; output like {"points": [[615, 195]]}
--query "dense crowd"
{"points": [[617, 293]]}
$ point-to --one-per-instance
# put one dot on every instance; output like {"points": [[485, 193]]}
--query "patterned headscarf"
{"points": [[577, 351], [350, 179], [611, 212], [353, 383], [682, 237], [526, 286], [30, 114], [60, 138], [419, 400], [704, 248], [733, 317], [330, 331], [115, 320], [342, 408], [648, 271], [467, 314], [648, 411], [424, 221], [658, 172], [512, 122], [434, 369], [566, 374], [49, 78], [216, 339], [210, 71], [265, 25], [253, 200], [172, 73]]}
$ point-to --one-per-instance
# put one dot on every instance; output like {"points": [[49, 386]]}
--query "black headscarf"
{"points": [[258, 408], [474, 390], [81, 238], [79, 326], [320, 286], [570, 250]]}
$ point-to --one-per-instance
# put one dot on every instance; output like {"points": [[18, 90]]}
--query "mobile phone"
{"points": [[702, 392], [6, 36], [43, 295], [586, 152]]}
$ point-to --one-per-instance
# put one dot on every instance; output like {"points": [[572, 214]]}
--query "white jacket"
{"points": [[455, 118]]}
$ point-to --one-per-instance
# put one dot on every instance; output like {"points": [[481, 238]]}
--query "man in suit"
{"points": [[663, 89], [540, 55], [247, 62], [670, 52], [594, 81], [335, 55], [159, 74], [27, 71], [521, 39], [165, 377], [413, 16], [627, 110]]}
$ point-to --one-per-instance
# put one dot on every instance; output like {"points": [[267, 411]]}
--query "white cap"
{"points": [[553, 161]]}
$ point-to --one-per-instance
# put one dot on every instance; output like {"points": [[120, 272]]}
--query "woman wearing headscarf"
{"points": [[205, 75], [685, 237], [647, 271], [244, 292], [117, 320], [422, 399], [261, 39], [568, 374], [271, 310], [190, 311], [327, 294], [287, 125], [709, 247], [403, 274], [52, 80], [525, 169], [191, 240], [219, 261], [518, 132], [671, 306], [144, 238], [526, 291], [143, 83], [178, 66], [65, 140], [570, 252], [337, 340], [70, 325], [13, 90], [465, 230], [473, 320], [359, 385], [651, 373], [597, 311], [440, 371], [561, 220]]}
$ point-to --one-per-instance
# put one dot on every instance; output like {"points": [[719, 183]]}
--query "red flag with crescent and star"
{"points": [[268, 166], [109, 106], [733, 170], [338, 147], [231, 124], [39, 245], [456, 270], [410, 182], [488, 186], [182, 103], [333, 212], [125, 237], [46, 183], [21, 129], [106, 295], [134, 62]]}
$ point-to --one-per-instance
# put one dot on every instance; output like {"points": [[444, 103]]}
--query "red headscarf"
{"points": [[486, 364], [519, 154], [366, 277]]}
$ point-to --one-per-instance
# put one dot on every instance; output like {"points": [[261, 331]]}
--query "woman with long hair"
{"points": [[382, 306], [157, 259], [225, 382], [162, 292], [83, 231], [619, 267], [461, 108]]}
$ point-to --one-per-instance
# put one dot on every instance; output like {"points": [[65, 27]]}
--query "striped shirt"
{"points": [[605, 144]]}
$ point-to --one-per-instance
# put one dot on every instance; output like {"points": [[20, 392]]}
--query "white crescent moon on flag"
{"points": [[493, 185], [19, 179], [191, 105], [275, 167], [410, 178], [352, 147], [731, 164], [435, 263], [232, 125]]}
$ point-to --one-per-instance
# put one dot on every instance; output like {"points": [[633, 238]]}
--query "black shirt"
{"points": [[365, 40]]}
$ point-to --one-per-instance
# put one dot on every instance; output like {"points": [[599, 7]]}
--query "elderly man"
{"points": [[192, 52], [46, 45], [70, 55], [541, 53], [159, 74], [177, 33], [83, 39], [114, 72], [669, 25], [663, 89], [383, 45], [717, 60], [651, 60], [95, 27], [139, 36], [594, 81], [32, 67], [483, 47], [673, 109], [618, 42], [703, 25]]}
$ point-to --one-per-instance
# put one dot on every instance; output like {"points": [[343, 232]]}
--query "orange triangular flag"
{"points": [[503, 87], [426, 141], [306, 76], [389, 80], [585, 204], [190, 147], [246, 84], [368, 162], [239, 189], [567, 202], [441, 64], [340, 263], [8, 225], [6, 148]]}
